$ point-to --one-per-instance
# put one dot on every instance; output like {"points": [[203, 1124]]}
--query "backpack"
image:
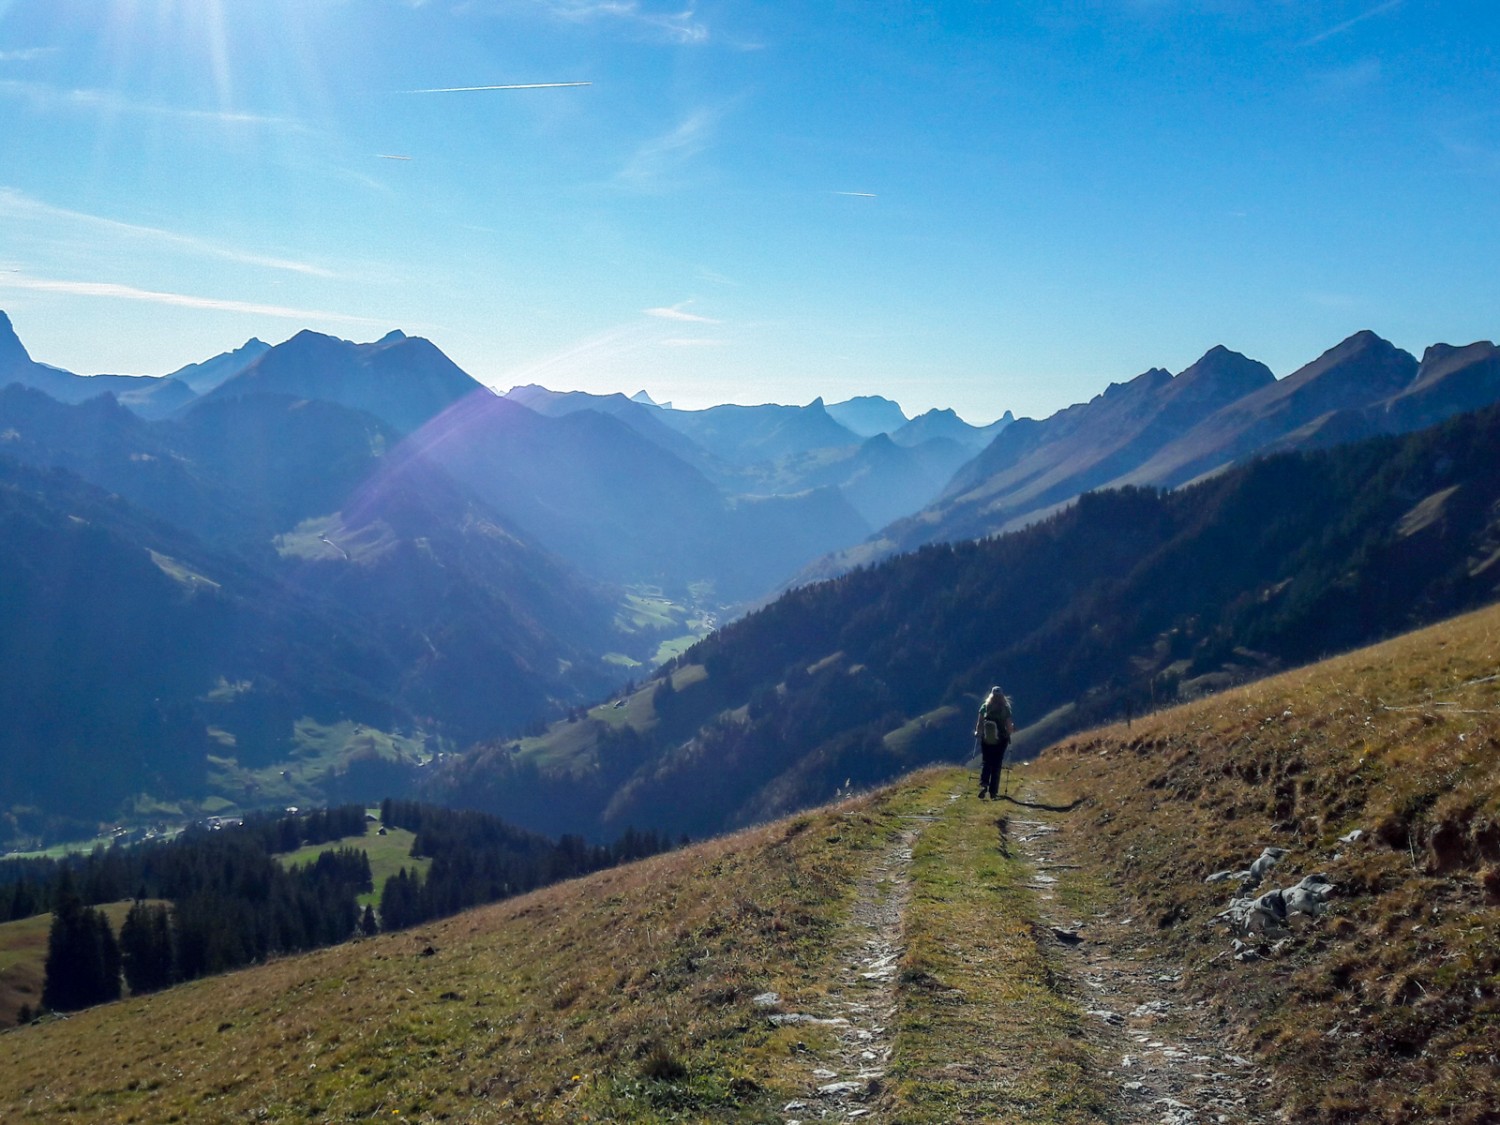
{"points": [[994, 727]]}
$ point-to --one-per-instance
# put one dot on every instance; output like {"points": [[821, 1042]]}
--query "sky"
{"points": [[980, 205]]}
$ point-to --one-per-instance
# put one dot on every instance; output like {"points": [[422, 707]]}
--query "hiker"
{"points": [[992, 734]]}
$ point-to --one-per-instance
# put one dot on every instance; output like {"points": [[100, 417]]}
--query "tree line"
{"points": [[216, 898]]}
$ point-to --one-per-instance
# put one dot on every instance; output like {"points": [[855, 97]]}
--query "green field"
{"points": [[648, 615], [388, 854]]}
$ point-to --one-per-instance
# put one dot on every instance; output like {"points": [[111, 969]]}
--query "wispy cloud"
{"points": [[858, 194], [676, 27], [112, 291], [1339, 29], [505, 86], [18, 205], [677, 312], [26, 54], [109, 101], [685, 342], [650, 164]]}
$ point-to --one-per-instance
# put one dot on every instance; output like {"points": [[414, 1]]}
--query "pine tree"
{"points": [[146, 948], [83, 960]]}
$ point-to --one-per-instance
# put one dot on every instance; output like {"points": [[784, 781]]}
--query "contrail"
{"points": [[391, 156], [510, 86], [859, 194]]}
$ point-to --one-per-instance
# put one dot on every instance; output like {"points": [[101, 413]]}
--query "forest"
{"points": [[217, 898]]}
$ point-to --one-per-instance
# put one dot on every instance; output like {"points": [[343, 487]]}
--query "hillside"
{"points": [[918, 956], [1126, 600]]}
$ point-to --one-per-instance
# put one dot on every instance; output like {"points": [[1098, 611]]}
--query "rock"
{"points": [[1067, 937], [1151, 1008], [1225, 876], [1268, 859], [1106, 1015], [787, 1019], [766, 1000], [1352, 837], [841, 1089]]}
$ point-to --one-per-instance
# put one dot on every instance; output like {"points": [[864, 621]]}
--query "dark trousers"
{"points": [[989, 776]]}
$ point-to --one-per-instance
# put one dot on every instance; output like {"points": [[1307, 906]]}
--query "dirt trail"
{"points": [[862, 1006], [1169, 1059]]}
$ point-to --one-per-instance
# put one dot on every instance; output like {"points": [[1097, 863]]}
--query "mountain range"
{"points": [[1164, 430], [1126, 600], [473, 565]]}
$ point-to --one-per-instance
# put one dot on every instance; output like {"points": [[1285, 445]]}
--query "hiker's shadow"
{"points": [[1042, 805]]}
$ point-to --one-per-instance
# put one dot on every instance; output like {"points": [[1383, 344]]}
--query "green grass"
{"points": [[388, 854], [983, 1034], [660, 627]]}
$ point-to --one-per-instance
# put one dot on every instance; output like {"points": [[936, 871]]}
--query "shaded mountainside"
{"points": [[787, 451], [1128, 599], [131, 652], [899, 954]]}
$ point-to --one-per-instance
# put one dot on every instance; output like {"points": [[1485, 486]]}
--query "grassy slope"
{"points": [[1390, 1008], [562, 1005]]}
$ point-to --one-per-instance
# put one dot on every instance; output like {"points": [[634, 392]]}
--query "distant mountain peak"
{"points": [[394, 336], [642, 397], [12, 351]]}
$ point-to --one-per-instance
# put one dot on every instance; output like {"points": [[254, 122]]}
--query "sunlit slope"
{"points": [[1389, 1009]]}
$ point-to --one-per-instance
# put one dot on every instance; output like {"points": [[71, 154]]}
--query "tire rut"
{"points": [[1165, 1059], [862, 1001]]}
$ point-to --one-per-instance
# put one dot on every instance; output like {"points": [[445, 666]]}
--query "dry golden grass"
{"points": [[1389, 1008], [621, 997]]}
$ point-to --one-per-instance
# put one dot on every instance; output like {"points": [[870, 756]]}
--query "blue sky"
{"points": [[988, 206]]}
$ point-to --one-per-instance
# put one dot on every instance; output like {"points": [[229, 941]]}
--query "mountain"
{"points": [[1031, 467], [400, 379], [1361, 370], [881, 481], [620, 507], [1159, 430], [1127, 599], [946, 425], [132, 653], [868, 415], [644, 418], [743, 435], [200, 378]]}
